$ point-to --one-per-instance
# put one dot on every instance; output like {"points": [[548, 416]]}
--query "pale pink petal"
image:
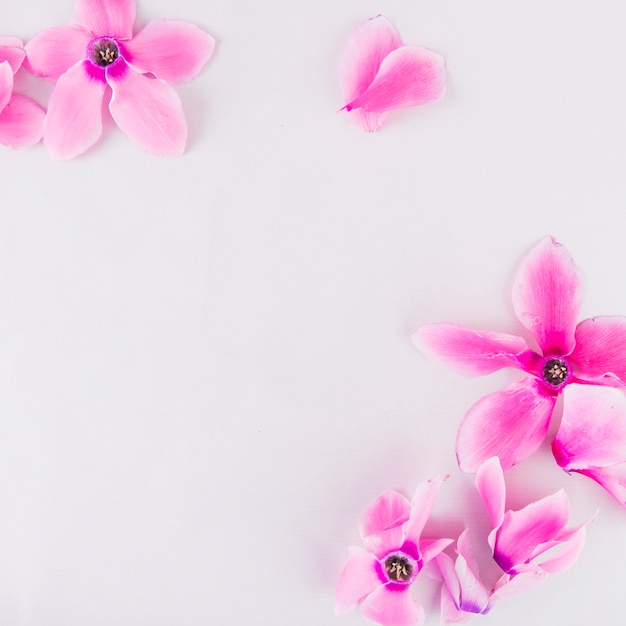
{"points": [[510, 424], [173, 51], [392, 608], [148, 110], [547, 295], [449, 576], [408, 76], [382, 523], [612, 478], [470, 352], [421, 506], [74, 119], [21, 122], [522, 531], [106, 18], [601, 347], [357, 580], [593, 428], [431, 548], [450, 613], [567, 556], [474, 596], [6, 84], [12, 50], [52, 52], [509, 586], [492, 489]]}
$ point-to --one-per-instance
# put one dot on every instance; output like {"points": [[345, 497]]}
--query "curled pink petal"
{"points": [[149, 111], [74, 119], [106, 18], [392, 608], [601, 347], [408, 76], [474, 597], [382, 524], [568, 554], [6, 84], [592, 432], [431, 548], [21, 122], [547, 296], [358, 579], [421, 506], [510, 424], [612, 478], [12, 51], [491, 487], [509, 586], [173, 51], [469, 352]]}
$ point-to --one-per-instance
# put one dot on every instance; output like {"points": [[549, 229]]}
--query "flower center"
{"points": [[555, 372], [104, 51], [399, 568]]}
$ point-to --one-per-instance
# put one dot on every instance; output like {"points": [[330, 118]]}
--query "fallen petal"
{"points": [[21, 122], [492, 489], [12, 50], [567, 555], [612, 478], [106, 18], [6, 84], [358, 579], [392, 608], [474, 596]]}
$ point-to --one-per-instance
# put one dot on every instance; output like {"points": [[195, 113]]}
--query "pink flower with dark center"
{"points": [[99, 51], [21, 119], [379, 576], [378, 73], [512, 423]]}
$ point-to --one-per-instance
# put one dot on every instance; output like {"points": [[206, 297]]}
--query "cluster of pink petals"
{"points": [[584, 361], [98, 51], [527, 544], [378, 577], [379, 73], [21, 118]]}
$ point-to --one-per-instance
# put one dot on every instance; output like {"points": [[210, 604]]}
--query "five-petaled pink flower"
{"points": [[379, 73], [21, 119], [512, 423], [99, 50], [379, 577]]}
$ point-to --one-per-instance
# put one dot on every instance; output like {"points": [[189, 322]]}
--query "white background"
{"points": [[205, 365]]}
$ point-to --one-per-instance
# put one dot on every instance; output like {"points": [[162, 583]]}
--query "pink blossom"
{"points": [[378, 577], [97, 51], [547, 296], [21, 119], [379, 73]]}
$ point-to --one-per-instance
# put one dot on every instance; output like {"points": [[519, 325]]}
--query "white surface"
{"points": [[205, 369]]}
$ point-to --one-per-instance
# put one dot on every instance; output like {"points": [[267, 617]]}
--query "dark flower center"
{"points": [[104, 52], [555, 372], [398, 568]]}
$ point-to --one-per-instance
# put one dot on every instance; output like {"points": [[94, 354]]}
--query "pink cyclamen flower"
{"points": [[99, 50], [21, 119], [547, 295], [379, 576], [379, 73], [527, 545]]}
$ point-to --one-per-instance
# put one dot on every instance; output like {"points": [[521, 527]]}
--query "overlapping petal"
{"points": [[392, 608], [21, 122], [12, 51], [6, 83], [357, 580], [382, 523], [474, 597], [421, 506], [106, 18], [490, 485]]}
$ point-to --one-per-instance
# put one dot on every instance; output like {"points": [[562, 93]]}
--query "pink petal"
{"points": [[601, 347], [593, 428], [421, 506], [449, 577], [522, 531], [431, 548], [567, 556], [408, 76], [469, 352], [173, 51], [492, 489], [382, 523], [74, 119], [510, 424], [392, 608], [148, 110], [547, 295], [474, 596], [21, 122], [106, 18], [450, 613], [52, 52], [12, 50], [509, 586], [6, 84], [612, 478], [358, 579]]}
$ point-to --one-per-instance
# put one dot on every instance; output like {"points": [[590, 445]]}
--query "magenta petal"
{"points": [[52, 52], [522, 531], [469, 352], [173, 51], [74, 119], [392, 607], [492, 489], [12, 50], [357, 580], [421, 506], [21, 122], [408, 76], [593, 428], [382, 523], [612, 478], [149, 111], [6, 84], [601, 347], [510, 424], [547, 295], [106, 18]]}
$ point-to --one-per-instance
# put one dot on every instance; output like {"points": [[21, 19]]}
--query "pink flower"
{"points": [[520, 541], [379, 577], [379, 73], [99, 50], [547, 295], [21, 118]]}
